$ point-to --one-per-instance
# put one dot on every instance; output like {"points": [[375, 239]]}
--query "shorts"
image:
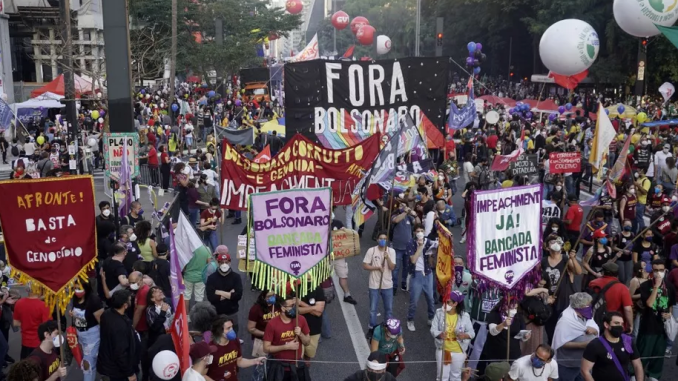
{"points": [[341, 268], [312, 347], [199, 291]]}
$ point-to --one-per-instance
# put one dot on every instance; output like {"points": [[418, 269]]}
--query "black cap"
{"points": [[573, 197], [378, 357]]}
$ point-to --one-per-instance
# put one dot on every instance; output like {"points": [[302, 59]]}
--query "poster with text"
{"points": [[292, 228], [341, 103], [564, 162], [505, 234], [49, 228], [113, 145]]}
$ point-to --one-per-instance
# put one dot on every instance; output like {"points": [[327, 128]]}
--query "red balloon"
{"points": [[340, 20], [294, 6], [357, 22], [366, 34]]}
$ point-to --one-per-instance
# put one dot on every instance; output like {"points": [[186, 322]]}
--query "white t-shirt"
{"points": [[211, 176], [189, 130], [29, 148], [522, 370], [375, 257], [192, 375], [468, 168]]}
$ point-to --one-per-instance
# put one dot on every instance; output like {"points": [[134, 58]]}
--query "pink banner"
{"points": [[292, 228]]}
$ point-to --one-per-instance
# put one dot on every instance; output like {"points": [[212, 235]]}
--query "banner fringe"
{"points": [[273, 279]]}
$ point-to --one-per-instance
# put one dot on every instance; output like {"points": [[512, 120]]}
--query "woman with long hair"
{"points": [[147, 246], [640, 276], [86, 313], [265, 308], [158, 314], [453, 331], [466, 195]]}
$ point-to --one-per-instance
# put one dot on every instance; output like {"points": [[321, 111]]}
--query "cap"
{"points": [[611, 267], [497, 371], [376, 361], [573, 197], [456, 296], [599, 233], [192, 160], [393, 326], [223, 257], [200, 350]]}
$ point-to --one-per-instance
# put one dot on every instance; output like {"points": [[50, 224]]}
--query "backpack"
{"points": [[15, 151], [536, 310], [599, 303]]}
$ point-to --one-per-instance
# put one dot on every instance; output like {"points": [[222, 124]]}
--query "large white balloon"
{"points": [[166, 365], [569, 47], [637, 18], [667, 90], [383, 44]]}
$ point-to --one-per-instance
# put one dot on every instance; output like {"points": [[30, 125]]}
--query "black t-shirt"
{"points": [[604, 367], [336, 225], [129, 220], [642, 156], [160, 272], [315, 323], [89, 306], [113, 269], [651, 321]]}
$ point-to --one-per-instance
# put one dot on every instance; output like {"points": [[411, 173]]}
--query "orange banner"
{"points": [[445, 265]]}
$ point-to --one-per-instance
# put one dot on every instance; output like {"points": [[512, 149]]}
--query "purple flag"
{"points": [[125, 183], [176, 280]]}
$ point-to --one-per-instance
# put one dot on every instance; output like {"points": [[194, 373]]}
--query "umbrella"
{"points": [[629, 112]]}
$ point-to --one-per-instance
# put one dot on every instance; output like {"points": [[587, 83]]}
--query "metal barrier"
{"points": [[149, 176]]}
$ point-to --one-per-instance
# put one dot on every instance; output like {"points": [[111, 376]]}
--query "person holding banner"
{"points": [[380, 262], [453, 331], [419, 257]]}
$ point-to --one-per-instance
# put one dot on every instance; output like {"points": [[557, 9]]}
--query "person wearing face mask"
{"points": [[557, 195], [499, 323], [158, 315], [660, 160], [643, 154], [209, 219], [420, 265], [106, 226], [86, 313], [657, 194], [669, 176], [227, 359], [46, 355], [402, 221], [283, 339], [538, 366], [264, 309], [375, 369], [135, 215], [621, 246], [380, 262], [574, 331], [616, 295], [645, 250], [596, 256], [554, 266], [573, 218], [388, 339], [597, 361], [591, 227], [453, 331], [627, 206], [224, 290], [462, 278], [553, 226], [659, 297], [119, 351], [201, 355]]}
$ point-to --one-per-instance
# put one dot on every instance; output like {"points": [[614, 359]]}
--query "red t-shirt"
{"points": [[164, 158], [616, 297], [140, 300], [449, 148], [575, 214], [225, 362], [492, 141], [48, 362], [207, 214], [31, 312], [260, 318], [153, 157], [151, 137], [278, 333]]}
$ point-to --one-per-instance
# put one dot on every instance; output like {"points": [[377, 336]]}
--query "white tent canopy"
{"points": [[46, 100]]}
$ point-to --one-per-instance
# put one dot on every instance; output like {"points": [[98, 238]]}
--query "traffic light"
{"points": [[439, 39], [511, 74], [643, 43]]}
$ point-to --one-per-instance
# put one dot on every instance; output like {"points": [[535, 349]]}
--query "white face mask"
{"points": [[637, 175], [448, 307], [555, 229], [666, 150], [420, 235], [224, 267], [133, 237], [209, 359], [134, 286], [332, 215], [441, 178], [555, 247], [512, 312], [660, 275], [645, 143], [57, 340], [666, 208], [106, 212], [632, 191], [558, 188]]}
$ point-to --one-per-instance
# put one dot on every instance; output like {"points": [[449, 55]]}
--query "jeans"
{"points": [[401, 261], [211, 240], [387, 298], [194, 216], [90, 350], [569, 185], [625, 271], [418, 283], [569, 374], [640, 213], [326, 331]]}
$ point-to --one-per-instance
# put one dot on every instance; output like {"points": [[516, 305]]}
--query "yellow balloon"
{"points": [[641, 117], [242, 91], [41, 140], [95, 114]]}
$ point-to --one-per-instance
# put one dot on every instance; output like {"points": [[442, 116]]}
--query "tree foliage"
{"points": [[245, 24], [508, 30]]}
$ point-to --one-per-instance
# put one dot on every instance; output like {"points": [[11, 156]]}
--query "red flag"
{"points": [[569, 81], [264, 156], [501, 162], [72, 340], [179, 332], [349, 52], [619, 168]]}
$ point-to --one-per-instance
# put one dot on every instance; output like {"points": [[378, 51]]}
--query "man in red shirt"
{"points": [[153, 165], [29, 313], [618, 296], [227, 358], [572, 220], [492, 140], [46, 354], [282, 339], [450, 148]]}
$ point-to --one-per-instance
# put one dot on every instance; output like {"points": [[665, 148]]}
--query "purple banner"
{"points": [[292, 228]]}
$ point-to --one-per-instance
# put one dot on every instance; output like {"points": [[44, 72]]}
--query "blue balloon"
{"points": [[553, 117], [621, 109], [568, 106], [528, 115], [518, 104], [204, 85], [561, 109], [476, 70], [471, 47], [143, 91], [175, 107], [211, 93], [511, 111], [607, 112], [479, 46], [525, 107]]}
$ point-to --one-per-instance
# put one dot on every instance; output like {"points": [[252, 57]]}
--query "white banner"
{"points": [[506, 234], [549, 210]]}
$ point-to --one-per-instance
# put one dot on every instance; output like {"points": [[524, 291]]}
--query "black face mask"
{"points": [[373, 376], [616, 331]]}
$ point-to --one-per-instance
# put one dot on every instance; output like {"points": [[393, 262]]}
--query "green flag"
{"points": [[671, 32]]}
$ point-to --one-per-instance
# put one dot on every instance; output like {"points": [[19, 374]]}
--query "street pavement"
{"points": [[343, 353]]}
